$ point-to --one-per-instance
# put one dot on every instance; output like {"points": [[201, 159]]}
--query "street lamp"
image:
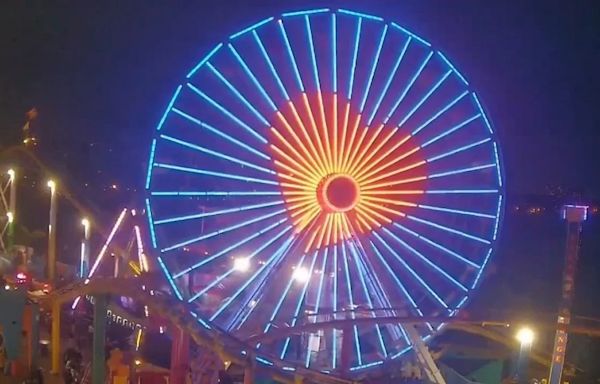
{"points": [[525, 336], [241, 264], [301, 274], [84, 261], [52, 232]]}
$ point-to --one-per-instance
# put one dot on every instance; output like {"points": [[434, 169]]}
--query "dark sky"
{"points": [[102, 73]]}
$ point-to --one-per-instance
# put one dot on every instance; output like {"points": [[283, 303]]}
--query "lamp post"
{"points": [[525, 337], [52, 232], [12, 207], [84, 262]]}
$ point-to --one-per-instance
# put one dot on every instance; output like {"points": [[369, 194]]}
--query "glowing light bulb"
{"points": [[241, 264], [301, 274]]}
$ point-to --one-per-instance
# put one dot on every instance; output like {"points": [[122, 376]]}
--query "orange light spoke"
{"points": [[293, 164], [376, 207], [397, 182], [294, 151], [296, 186], [325, 133], [366, 209], [383, 156], [362, 221], [330, 226], [351, 147], [393, 173], [393, 192], [389, 201], [357, 160], [324, 226], [362, 163], [343, 139], [294, 178], [388, 164], [335, 132], [313, 124], [313, 164]]}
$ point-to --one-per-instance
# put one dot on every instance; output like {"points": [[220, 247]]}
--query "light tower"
{"points": [[575, 216]]}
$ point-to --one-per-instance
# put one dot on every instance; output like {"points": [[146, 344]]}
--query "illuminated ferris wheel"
{"points": [[322, 166]]}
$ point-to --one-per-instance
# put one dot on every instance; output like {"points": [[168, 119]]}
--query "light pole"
{"points": [[525, 337], [12, 207], [52, 232], [85, 249]]}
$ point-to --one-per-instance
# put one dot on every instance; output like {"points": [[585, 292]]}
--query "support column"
{"points": [[249, 371], [99, 345], [55, 339], [180, 356]]}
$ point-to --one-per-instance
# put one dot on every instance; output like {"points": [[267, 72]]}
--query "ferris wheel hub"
{"points": [[339, 193]]}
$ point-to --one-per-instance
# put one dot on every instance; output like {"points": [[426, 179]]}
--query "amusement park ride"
{"points": [[324, 193]]}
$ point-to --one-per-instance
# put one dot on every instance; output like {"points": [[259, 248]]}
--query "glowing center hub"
{"points": [[338, 193]]}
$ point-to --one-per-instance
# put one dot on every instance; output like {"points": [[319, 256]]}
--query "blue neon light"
{"points": [[238, 94], [497, 158], [169, 278], [150, 223], [440, 112], [447, 229], [312, 52], [349, 285], [302, 13], [361, 15], [334, 300], [216, 174], [451, 130], [291, 55], [427, 95], [169, 107], [458, 191], [334, 52], [263, 361], [354, 57], [368, 365], [461, 77], [373, 68], [150, 163], [267, 58], [216, 193], [204, 60], [252, 77], [221, 134], [497, 223], [227, 113], [462, 170], [252, 28], [411, 34], [217, 213], [458, 150], [485, 119], [485, 261]]}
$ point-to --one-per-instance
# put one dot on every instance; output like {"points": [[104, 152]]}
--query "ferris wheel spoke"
{"points": [[438, 246], [440, 112], [461, 191], [425, 98], [222, 175], [177, 219], [448, 229], [361, 171], [458, 150], [388, 82], [232, 270], [275, 259], [374, 66], [407, 88], [216, 154], [237, 93], [230, 248], [223, 230], [412, 272], [462, 170], [427, 261], [299, 304], [227, 113], [457, 211], [221, 134], [187, 194], [351, 300], [387, 175], [451, 130], [361, 276]]}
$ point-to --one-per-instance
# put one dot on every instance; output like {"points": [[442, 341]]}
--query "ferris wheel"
{"points": [[319, 166]]}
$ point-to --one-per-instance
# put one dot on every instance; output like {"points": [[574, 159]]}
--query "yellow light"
{"points": [[10, 217], [241, 264], [525, 336], [51, 184], [11, 173], [85, 222], [301, 275], [138, 362]]}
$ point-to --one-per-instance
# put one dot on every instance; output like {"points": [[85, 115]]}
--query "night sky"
{"points": [[101, 75]]}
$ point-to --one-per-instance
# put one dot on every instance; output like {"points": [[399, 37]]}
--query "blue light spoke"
{"points": [[238, 94], [318, 303], [461, 191], [408, 87], [412, 272], [424, 98], [288, 46], [458, 211], [229, 249], [460, 76], [354, 57], [373, 68], [482, 112], [252, 28], [313, 57], [169, 278], [440, 112], [252, 77], [426, 260], [367, 296], [497, 223], [497, 164], [300, 302], [227, 113], [334, 52], [479, 274], [334, 301], [461, 170], [458, 150], [388, 83], [352, 306], [232, 270], [215, 193], [451, 130], [448, 229], [302, 13], [267, 58], [151, 223], [218, 213], [438, 246], [204, 60], [221, 134], [360, 15], [169, 107], [215, 174], [150, 163], [219, 155], [224, 230], [276, 256], [411, 34]]}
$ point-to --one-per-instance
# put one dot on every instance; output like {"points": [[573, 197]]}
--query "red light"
{"points": [[21, 276]]}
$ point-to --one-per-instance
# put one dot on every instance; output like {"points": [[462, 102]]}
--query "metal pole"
{"points": [[99, 341], [12, 207], [55, 338], [84, 261], [523, 363], [52, 233]]}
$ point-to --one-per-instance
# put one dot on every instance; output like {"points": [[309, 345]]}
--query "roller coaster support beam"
{"points": [[55, 338], [424, 357], [180, 356], [99, 341], [575, 216]]}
